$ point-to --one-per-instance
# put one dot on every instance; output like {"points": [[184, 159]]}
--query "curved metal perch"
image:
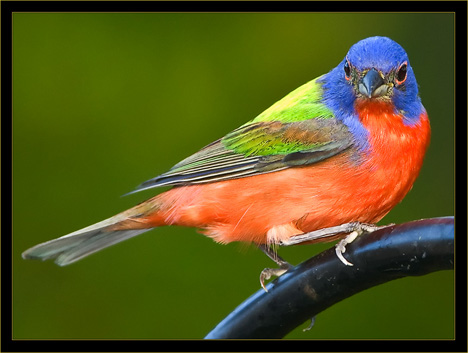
{"points": [[410, 249]]}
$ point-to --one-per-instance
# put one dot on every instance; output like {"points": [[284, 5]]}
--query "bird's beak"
{"points": [[372, 84]]}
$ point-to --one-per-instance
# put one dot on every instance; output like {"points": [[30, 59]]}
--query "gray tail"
{"points": [[74, 246]]}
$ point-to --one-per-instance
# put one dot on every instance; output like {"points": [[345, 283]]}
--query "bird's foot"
{"points": [[312, 323], [340, 248], [354, 229], [268, 272], [359, 228]]}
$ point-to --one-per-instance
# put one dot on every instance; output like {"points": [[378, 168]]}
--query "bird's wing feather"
{"points": [[296, 131]]}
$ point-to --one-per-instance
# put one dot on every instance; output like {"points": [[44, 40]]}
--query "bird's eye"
{"points": [[347, 70], [400, 76]]}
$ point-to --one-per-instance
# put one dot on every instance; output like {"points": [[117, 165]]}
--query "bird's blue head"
{"points": [[375, 68]]}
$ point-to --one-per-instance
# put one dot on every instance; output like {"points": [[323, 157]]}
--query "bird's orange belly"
{"points": [[285, 203]]}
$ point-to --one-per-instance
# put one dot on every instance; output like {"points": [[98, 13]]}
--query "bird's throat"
{"points": [[373, 106]]}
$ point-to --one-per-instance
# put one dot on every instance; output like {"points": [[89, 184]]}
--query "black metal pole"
{"points": [[410, 249]]}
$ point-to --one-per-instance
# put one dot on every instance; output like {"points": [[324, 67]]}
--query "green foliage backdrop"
{"points": [[104, 101]]}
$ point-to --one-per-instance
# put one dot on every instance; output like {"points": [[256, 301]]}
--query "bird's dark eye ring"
{"points": [[347, 70], [400, 75]]}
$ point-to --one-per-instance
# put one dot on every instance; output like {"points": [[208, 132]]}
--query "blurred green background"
{"points": [[102, 102]]}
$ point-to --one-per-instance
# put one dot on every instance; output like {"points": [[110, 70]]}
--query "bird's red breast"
{"points": [[270, 207]]}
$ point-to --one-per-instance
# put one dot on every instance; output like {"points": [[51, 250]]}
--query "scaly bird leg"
{"points": [[268, 272], [354, 229]]}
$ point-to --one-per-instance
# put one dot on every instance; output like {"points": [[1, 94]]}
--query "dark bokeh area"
{"points": [[103, 102]]}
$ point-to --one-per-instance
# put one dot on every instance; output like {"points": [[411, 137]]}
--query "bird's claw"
{"points": [[340, 248], [312, 323], [359, 228], [268, 272]]}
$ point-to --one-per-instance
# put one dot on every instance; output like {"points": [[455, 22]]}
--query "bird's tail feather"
{"points": [[74, 246]]}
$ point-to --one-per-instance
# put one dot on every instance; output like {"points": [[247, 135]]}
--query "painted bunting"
{"points": [[344, 147]]}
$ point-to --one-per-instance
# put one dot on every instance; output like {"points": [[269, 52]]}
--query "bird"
{"points": [[337, 153]]}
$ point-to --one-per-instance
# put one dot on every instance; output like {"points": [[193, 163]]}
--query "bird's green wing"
{"points": [[296, 131]]}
